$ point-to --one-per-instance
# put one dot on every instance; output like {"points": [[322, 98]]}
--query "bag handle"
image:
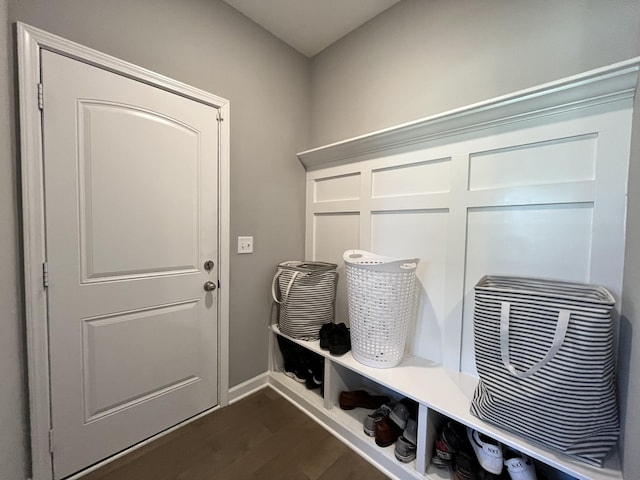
{"points": [[286, 293], [558, 338], [307, 267]]}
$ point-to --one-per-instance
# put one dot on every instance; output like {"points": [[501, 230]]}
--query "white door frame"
{"points": [[30, 41]]}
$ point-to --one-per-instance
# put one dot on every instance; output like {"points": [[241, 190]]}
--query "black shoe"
{"points": [[339, 340], [295, 370], [295, 365], [315, 373], [451, 439], [325, 334], [463, 466]]}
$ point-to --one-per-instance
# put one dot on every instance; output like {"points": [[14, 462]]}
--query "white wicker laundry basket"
{"points": [[381, 297]]}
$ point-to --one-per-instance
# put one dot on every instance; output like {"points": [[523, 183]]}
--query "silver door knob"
{"points": [[209, 286]]}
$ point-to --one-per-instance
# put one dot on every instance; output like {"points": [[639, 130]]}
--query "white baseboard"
{"points": [[248, 387]]}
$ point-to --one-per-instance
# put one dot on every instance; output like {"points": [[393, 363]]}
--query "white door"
{"points": [[131, 219]]}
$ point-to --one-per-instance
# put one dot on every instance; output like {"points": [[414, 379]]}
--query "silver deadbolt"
{"points": [[208, 265], [209, 286]]}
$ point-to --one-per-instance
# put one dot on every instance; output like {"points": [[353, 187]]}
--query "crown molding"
{"points": [[603, 85]]}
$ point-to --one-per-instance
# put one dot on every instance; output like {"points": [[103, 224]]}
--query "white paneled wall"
{"points": [[541, 196]]}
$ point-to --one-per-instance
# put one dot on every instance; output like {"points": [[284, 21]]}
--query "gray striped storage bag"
{"points": [[544, 354], [306, 293]]}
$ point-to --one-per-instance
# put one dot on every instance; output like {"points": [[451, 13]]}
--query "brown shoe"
{"points": [[387, 432], [360, 398]]}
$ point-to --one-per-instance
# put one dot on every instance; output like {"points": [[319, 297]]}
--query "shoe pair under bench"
{"points": [[391, 422], [489, 461]]}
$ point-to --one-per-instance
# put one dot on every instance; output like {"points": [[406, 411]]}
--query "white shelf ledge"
{"points": [[450, 393]]}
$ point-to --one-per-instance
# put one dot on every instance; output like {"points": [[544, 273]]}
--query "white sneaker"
{"points": [[519, 466], [488, 451]]}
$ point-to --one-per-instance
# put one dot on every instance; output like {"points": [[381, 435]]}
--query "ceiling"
{"points": [[310, 26]]}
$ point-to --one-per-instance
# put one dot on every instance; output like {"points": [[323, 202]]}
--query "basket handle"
{"points": [[369, 261], [307, 267], [558, 338], [286, 293]]}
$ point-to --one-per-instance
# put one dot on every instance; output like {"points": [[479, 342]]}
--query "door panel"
{"points": [[131, 217], [115, 177], [168, 361]]}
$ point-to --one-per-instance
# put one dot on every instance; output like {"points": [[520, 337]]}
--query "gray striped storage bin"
{"points": [[544, 354], [306, 293]]}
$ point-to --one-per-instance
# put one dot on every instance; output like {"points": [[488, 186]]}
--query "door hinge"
{"points": [[45, 274], [219, 116], [40, 96], [50, 441]]}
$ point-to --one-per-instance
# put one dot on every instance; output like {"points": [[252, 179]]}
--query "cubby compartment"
{"points": [[441, 394], [344, 379], [340, 379], [347, 424], [436, 422], [314, 396]]}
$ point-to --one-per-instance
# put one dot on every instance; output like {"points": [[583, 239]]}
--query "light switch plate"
{"points": [[245, 244]]}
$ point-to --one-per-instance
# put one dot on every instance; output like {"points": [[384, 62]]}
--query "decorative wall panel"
{"points": [[521, 186], [413, 179], [394, 234], [344, 187], [555, 161], [552, 241], [333, 234]]}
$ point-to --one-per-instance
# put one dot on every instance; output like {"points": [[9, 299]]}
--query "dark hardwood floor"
{"points": [[262, 437]]}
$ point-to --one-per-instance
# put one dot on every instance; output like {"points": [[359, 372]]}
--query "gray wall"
{"points": [[209, 45], [13, 435], [423, 57], [418, 58]]}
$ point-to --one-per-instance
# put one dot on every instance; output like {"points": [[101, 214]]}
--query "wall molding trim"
{"points": [[248, 387], [602, 85]]}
